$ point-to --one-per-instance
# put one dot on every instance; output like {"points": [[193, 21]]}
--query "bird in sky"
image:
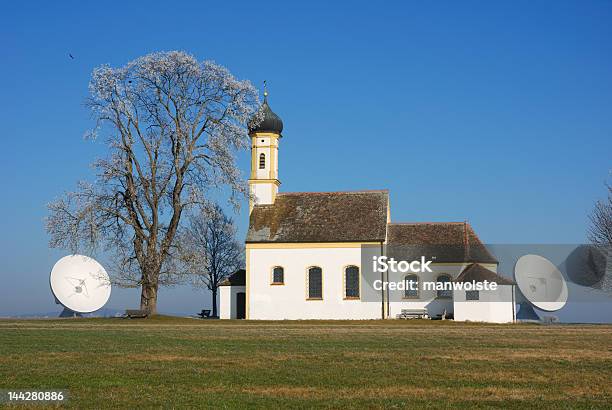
{"points": [[71, 56]]}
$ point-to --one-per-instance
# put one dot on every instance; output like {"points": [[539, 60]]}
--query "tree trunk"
{"points": [[214, 302], [148, 298]]}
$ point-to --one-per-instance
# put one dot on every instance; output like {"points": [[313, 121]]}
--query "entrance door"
{"points": [[240, 305]]}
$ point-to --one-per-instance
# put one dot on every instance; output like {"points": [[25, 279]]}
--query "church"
{"points": [[307, 253]]}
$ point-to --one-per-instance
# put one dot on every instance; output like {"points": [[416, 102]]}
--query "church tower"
{"points": [[265, 136]]}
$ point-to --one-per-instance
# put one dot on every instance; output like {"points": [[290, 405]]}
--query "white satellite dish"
{"points": [[80, 283], [540, 282]]}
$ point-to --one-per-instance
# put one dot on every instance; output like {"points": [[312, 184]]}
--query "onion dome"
{"points": [[270, 122]]}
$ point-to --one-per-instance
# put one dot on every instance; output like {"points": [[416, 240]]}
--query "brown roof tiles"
{"points": [[479, 273], [443, 241], [237, 278], [359, 216]]}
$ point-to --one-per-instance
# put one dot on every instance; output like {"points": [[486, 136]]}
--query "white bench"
{"points": [[420, 313]]}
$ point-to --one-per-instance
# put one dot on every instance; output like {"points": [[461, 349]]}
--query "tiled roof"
{"points": [[237, 278], [359, 216], [443, 241], [479, 273]]}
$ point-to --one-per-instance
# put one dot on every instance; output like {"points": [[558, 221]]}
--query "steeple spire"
{"points": [[270, 122], [265, 136]]}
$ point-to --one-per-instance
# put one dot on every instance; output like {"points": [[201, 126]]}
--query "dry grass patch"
{"points": [[371, 364]]}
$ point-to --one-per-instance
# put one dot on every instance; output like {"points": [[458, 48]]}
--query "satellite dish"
{"points": [[540, 282], [587, 264], [80, 283]]}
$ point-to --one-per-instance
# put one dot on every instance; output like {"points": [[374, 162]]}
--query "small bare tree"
{"points": [[173, 126], [600, 231], [209, 249], [600, 234]]}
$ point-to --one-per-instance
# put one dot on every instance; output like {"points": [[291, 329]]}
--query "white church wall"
{"points": [[289, 301], [264, 192], [493, 306], [227, 302]]}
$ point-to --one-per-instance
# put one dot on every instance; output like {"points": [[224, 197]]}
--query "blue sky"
{"points": [[495, 112]]}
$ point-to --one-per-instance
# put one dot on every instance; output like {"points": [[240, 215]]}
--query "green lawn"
{"points": [[194, 363]]}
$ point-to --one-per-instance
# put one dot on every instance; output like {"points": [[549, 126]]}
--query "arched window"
{"points": [[444, 293], [412, 287], [262, 161], [278, 275], [315, 283], [351, 282]]}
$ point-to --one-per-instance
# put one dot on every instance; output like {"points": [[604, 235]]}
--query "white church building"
{"points": [[305, 250]]}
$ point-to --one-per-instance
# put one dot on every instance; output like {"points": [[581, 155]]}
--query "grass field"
{"points": [[166, 362]]}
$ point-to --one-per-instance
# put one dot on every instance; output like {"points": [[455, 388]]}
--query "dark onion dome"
{"points": [[270, 123]]}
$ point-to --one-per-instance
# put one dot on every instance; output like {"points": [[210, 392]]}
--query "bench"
{"points": [[136, 314], [549, 319], [204, 314], [413, 314]]}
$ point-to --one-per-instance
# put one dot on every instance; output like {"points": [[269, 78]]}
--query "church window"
{"points": [[351, 282], [472, 295], [262, 161], [445, 292], [315, 283], [278, 275], [412, 287]]}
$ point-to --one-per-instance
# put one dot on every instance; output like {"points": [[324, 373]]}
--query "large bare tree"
{"points": [[209, 249], [173, 126]]}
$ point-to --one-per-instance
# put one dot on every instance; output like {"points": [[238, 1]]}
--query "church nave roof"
{"points": [[359, 216]]}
